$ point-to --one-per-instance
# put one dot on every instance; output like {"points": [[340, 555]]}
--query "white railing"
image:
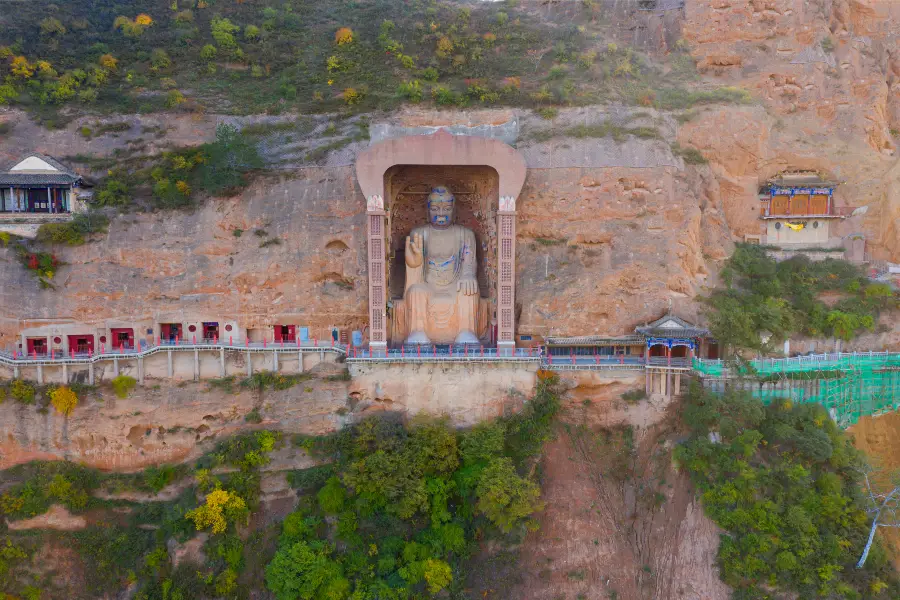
{"points": [[16, 358], [460, 353]]}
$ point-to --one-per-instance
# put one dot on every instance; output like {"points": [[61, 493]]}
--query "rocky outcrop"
{"points": [[162, 423]]}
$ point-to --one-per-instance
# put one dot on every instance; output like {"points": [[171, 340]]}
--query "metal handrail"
{"points": [[19, 359]]}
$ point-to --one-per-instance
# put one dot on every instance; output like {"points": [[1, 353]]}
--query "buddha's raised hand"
{"points": [[414, 251]]}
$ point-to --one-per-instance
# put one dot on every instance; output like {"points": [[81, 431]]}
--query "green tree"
{"points": [[223, 31], [306, 571], [208, 52], [228, 159], [332, 495], [52, 26], [504, 497], [113, 191]]}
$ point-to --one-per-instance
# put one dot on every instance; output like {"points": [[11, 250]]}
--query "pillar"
{"points": [[140, 366], [249, 364], [648, 385], [65, 367], [669, 382], [321, 356], [274, 361], [221, 362], [91, 373], [377, 289], [300, 361], [506, 272], [40, 374], [16, 372], [196, 365], [115, 367], [170, 371]]}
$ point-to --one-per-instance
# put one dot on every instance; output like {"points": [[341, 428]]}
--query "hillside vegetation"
{"points": [[785, 298], [784, 484], [283, 55], [394, 511]]}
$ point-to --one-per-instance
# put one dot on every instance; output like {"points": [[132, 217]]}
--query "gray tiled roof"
{"points": [[684, 329], [26, 179], [65, 176]]}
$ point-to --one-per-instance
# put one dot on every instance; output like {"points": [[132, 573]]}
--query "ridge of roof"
{"points": [[7, 168]]}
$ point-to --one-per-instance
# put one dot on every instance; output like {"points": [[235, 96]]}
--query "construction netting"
{"points": [[848, 385]]}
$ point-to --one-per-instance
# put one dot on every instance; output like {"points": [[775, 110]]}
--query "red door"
{"points": [[81, 344], [170, 331], [210, 331], [37, 345], [122, 337], [285, 333]]}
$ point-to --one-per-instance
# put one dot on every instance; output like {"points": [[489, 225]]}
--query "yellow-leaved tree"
{"points": [[64, 400], [221, 507]]}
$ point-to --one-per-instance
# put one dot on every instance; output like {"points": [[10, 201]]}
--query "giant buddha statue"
{"points": [[441, 296]]}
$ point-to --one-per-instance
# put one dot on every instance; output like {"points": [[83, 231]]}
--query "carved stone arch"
{"points": [[441, 149]]}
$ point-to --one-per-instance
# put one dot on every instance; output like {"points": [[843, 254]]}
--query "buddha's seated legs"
{"points": [[445, 316]]}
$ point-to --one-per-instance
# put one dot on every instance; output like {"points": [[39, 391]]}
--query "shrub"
{"points": [[331, 496], [504, 497], [251, 33], [64, 400], [343, 36], [208, 52], [220, 508], [430, 74], [108, 61], [223, 32], [352, 96], [174, 98], [22, 392], [122, 385], [74, 232], [411, 90], [159, 60]]}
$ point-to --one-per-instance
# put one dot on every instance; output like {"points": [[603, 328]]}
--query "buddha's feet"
{"points": [[466, 337], [418, 337]]}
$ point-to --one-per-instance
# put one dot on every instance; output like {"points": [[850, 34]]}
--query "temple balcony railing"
{"points": [[58, 357], [833, 361], [450, 353]]}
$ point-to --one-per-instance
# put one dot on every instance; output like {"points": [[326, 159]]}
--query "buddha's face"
{"points": [[441, 205]]}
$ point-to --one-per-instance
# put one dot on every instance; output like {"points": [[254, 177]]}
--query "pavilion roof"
{"points": [[47, 171], [801, 179], [671, 326]]}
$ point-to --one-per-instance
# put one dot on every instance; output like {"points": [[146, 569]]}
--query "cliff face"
{"points": [[163, 423], [827, 76], [611, 233]]}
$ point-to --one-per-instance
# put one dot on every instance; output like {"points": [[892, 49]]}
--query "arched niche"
{"points": [[389, 173]]}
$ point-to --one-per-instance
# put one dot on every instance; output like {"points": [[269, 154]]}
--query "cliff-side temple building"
{"points": [[37, 189], [797, 210]]}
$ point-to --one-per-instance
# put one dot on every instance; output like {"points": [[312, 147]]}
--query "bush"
{"points": [[782, 298], [22, 392], [783, 485], [411, 90], [64, 400], [123, 384], [74, 232], [220, 508]]}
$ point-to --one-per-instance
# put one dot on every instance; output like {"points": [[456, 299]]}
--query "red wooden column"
{"points": [[506, 287], [377, 293]]}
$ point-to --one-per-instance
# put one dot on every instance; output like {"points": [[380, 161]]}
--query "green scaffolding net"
{"points": [[849, 386]]}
